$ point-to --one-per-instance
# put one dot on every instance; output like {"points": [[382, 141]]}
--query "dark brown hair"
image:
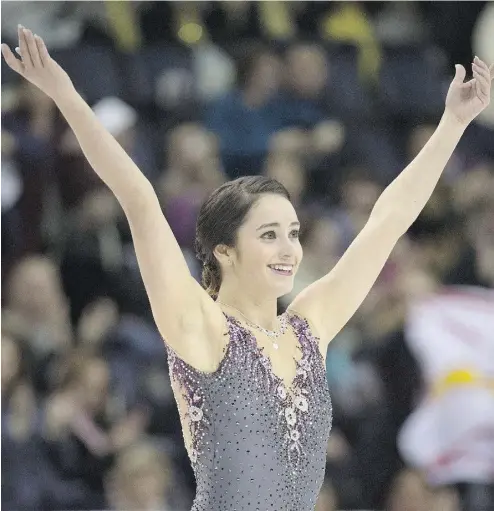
{"points": [[220, 218]]}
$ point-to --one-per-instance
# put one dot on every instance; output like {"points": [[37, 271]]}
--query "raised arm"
{"points": [[178, 302], [332, 300]]}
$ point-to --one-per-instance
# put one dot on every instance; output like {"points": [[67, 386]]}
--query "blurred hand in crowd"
{"points": [[328, 137], [97, 319]]}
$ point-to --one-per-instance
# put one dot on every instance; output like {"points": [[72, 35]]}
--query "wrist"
{"points": [[451, 120], [64, 95]]}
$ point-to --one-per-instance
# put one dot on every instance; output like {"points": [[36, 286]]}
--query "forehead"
{"points": [[271, 208]]}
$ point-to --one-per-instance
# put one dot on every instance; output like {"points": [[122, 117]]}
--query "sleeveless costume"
{"points": [[256, 444]]}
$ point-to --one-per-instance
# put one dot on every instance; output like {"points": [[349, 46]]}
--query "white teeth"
{"points": [[282, 267]]}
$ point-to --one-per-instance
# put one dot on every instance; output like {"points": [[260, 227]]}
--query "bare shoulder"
{"points": [[201, 337], [331, 301]]}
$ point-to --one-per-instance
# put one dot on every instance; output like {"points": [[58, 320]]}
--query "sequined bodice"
{"points": [[256, 444]]}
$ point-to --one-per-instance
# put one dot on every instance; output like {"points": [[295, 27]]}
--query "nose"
{"points": [[286, 250]]}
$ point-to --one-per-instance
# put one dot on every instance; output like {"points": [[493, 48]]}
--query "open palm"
{"points": [[36, 65], [465, 100]]}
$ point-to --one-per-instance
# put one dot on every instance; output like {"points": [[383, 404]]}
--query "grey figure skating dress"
{"points": [[256, 445]]}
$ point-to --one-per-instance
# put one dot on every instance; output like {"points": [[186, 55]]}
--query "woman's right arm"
{"points": [[180, 306]]}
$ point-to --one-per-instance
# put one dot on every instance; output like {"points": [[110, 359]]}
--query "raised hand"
{"points": [[465, 100], [36, 65]]}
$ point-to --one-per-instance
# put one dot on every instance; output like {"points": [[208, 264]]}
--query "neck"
{"points": [[260, 311]]}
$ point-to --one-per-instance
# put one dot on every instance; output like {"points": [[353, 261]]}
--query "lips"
{"points": [[282, 269]]}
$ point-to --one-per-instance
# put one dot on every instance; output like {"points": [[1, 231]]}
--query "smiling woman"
{"points": [[256, 422], [236, 244]]}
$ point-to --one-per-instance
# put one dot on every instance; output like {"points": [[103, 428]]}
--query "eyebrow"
{"points": [[276, 224]]}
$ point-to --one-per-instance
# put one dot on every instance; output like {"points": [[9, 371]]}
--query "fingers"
{"points": [[482, 76], [26, 57], [42, 50], [460, 73], [33, 48], [12, 62], [484, 69], [491, 70]]}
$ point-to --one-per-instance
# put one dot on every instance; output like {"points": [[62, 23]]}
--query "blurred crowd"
{"points": [[333, 100]]}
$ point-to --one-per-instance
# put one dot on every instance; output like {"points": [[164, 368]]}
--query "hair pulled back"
{"points": [[220, 218]]}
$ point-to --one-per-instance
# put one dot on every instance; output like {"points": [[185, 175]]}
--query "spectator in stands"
{"points": [[38, 311], [231, 22], [245, 119], [22, 487], [193, 171], [12, 189], [291, 174], [141, 478], [323, 238], [307, 99], [74, 175], [356, 194], [79, 420], [29, 118]]}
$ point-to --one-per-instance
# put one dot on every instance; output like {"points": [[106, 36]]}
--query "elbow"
{"points": [[138, 197], [395, 220]]}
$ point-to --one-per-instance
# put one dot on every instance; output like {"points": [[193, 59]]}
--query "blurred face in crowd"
{"points": [[307, 70], [190, 147], [324, 241], [35, 288], [266, 73], [268, 237], [290, 173], [474, 188], [140, 479], [360, 195], [259, 76], [92, 385], [11, 361]]}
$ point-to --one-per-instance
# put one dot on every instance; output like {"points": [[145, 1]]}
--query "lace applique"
{"points": [[190, 389]]}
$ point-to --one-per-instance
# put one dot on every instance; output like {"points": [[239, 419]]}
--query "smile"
{"points": [[282, 269]]}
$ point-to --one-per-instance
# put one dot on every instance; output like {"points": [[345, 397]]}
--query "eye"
{"points": [[295, 233], [269, 235]]}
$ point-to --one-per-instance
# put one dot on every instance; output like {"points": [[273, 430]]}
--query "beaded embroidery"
{"points": [[298, 419]]}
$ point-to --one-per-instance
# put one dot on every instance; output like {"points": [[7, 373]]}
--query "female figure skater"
{"points": [[251, 386]]}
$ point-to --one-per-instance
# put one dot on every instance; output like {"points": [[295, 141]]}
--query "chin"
{"points": [[282, 289]]}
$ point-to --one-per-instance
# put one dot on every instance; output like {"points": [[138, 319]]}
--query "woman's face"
{"points": [[268, 237]]}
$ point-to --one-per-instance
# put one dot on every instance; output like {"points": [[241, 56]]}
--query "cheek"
{"points": [[257, 258]]}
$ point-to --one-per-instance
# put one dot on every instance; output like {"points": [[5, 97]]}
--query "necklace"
{"points": [[269, 333]]}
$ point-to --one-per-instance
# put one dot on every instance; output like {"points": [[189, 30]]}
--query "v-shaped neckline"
{"points": [[290, 389]]}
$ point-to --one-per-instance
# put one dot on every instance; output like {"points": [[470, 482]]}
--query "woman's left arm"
{"points": [[331, 301]]}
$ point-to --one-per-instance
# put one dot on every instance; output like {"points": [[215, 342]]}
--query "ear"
{"points": [[223, 254]]}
